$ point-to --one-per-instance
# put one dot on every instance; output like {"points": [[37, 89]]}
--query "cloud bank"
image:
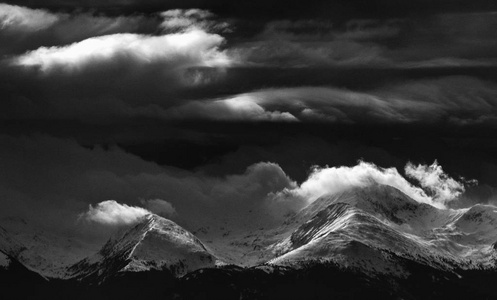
{"points": [[456, 100], [184, 64], [159, 207], [60, 181], [189, 74]]}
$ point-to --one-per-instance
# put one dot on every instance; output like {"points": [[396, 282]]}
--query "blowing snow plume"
{"points": [[433, 179], [437, 188]]}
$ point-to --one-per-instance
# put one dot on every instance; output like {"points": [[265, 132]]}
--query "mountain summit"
{"points": [[363, 227], [153, 244]]}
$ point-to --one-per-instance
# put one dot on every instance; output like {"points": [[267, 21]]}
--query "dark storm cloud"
{"points": [[442, 40], [367, 73], [109, 75], [77, 88], [124, 75], [54, 180], [92, 191], [318, 43], [270, 8], [445, 101], [464, 36]]}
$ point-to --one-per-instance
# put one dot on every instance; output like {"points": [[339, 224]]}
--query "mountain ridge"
{"points": [[373, 232], [154, 243]]}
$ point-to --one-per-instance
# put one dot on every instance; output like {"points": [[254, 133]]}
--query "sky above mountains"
{"points": [[182, 107]]}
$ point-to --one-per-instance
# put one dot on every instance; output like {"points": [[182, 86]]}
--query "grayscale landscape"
{"points": [[216, 149]]}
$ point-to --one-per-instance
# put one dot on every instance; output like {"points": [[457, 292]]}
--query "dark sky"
{"points": [[99, 95]]}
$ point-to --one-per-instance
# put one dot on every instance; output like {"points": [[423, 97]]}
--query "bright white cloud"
{"points": [[112, 213], [159, 207], [18, 18], [193, 48], [436, 181], [332, 180]]}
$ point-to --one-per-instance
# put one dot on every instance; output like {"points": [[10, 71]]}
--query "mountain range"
{"points": [[372, 241]]}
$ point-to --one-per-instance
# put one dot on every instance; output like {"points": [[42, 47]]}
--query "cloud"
{"points": [[457, 100], [163, 91], [436, 41], [23, 19], [433, 179], [159, 207], [105, 78], [257, 181], [331, 180], [240, 198], [437, 188], [193, 48], [141, 89], [298, 30], [23, 28], [298, 153], [311, 104], [191, 19], [311, 54], [188, 72], [465, 35], [240, 108], [315, 30], [54, 180], [112, 213], [318, 44], [371, 29], [448, 101]]}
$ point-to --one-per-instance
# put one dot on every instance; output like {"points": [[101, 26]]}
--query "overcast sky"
{"points": [[185, 106]]}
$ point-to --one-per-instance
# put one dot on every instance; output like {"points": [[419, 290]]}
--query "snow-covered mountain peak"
{"points": [[153, 243], [387, 221], [41, 249], [481, 221], [386, 203]]}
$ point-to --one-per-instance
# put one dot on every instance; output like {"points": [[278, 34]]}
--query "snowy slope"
{"points": [[10, 245], [369, 229], [40, 250], [153, 244], [360, 227], [353, 238], [479, 222]]}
